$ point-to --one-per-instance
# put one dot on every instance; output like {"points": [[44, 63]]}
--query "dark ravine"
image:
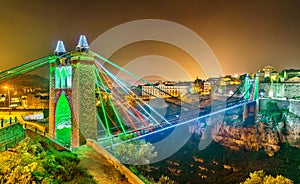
{"points": [[219, 164]]}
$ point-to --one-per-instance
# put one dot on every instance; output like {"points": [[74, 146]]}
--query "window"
{"points": [[63, 77]]}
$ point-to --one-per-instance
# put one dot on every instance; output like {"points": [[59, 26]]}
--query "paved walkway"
{"points": [[99, 167]]}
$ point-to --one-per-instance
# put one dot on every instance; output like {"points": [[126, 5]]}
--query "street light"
{"points": [[8, 94]]}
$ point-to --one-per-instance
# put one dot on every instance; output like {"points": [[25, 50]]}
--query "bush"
{"points": [[259, 177], [29, 162], [137, 152]]}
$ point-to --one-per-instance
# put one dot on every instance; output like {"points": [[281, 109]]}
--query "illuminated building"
{"points": [[274, 76], [229, 80], [290, 75], [164, 90], [207, 88], [198, 86], [266, 71], [32, 101]]}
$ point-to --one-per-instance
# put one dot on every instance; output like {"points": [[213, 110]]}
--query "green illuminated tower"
{"points": [[72, 108], [256, 93], [247, 86], [251, 95], [256, 87]]}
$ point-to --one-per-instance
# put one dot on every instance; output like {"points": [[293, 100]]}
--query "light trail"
{"points": [[182, 123]]}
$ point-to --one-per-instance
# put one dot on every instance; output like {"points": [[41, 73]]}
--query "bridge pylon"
{"points": [[72, 105], [251, 95]]}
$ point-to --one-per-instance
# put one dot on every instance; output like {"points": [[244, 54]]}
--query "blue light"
{"points": [[60, 48], [182, 123], [82, 43]]}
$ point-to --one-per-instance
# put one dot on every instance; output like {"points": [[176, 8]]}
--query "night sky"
{"points": [[243, 35]]}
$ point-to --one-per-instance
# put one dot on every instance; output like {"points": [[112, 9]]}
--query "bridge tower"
{"points": [[72, 105], [251, 95]]}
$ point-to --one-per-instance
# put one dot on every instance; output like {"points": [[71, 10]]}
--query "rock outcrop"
{"points": [[250, 138]]}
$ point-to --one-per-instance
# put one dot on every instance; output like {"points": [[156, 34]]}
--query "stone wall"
{"points": [[288, 90]]}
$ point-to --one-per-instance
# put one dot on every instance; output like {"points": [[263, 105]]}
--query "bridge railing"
{"points": [[34, 128], [11, 135], [5, 122]]}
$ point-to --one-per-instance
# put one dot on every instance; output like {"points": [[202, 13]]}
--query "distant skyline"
{"points": [[243, 35]]}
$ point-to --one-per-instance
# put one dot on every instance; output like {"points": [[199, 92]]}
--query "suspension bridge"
{"points": [[87, 101]]}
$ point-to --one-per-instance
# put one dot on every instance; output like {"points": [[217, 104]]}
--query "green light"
{"points": [[135, 76], [69, 76], [247, 87], [63, 122], [16, 71], [57, 78], [11, 135], [256, 88], [112, 105], [63, 77], [103, 109]]}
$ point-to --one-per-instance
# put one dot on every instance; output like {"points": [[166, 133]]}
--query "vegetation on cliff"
{"points": [[132, 152], [273, 114]]}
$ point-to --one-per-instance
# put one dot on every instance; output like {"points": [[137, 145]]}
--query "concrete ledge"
{"points": [[132, 178]]}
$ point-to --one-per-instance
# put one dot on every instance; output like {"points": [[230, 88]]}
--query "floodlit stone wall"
{"points": [[287, 90], [84, 103]]}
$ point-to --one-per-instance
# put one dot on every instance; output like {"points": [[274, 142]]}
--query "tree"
{"points": [[137, 152], [267, 80], [259, 177]]}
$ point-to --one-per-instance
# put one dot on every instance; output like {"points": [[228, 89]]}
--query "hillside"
{"points": [[27, 80]]}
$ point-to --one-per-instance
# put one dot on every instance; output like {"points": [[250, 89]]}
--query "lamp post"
{"points": [[8, 95]]}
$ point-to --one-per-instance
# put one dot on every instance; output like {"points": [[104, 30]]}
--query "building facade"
{"points": [[165, 90]]}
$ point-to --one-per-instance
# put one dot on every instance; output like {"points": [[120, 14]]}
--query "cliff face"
{"points": [[250, 138], [294, 107], [293, 129], [269, 135]]}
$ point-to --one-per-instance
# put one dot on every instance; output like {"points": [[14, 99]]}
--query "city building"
{"points": [[36, 101], [229, 80], [198, 86], [274, 76], [266, 71], [291, 75], [206, 88], [166, 89]]}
